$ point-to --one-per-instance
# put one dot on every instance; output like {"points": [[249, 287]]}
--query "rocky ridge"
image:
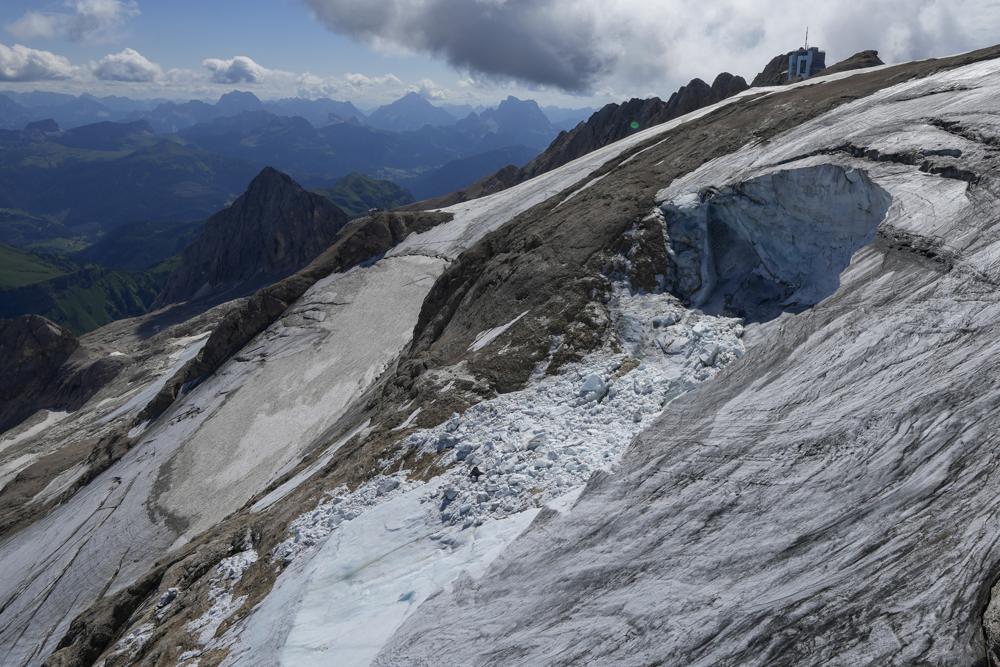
{"points": [[776, 71], [605, 126]]}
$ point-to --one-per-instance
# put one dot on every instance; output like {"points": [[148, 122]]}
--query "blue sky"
{"points": [[567, 52], [280, 34]]}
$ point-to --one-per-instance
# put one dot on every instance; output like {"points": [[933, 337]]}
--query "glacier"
{"points": [[809, 482]]}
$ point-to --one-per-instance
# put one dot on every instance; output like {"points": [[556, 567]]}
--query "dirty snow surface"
{"points": [[829, 499]]}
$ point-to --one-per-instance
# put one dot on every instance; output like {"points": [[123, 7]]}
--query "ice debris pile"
{"points": [[225, 577], [340, 505], [534, 447], [227, 574], [536, 444]]}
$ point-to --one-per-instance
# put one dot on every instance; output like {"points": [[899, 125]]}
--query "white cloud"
{"points": [[84, 21], [587, 45], [19, 63], [430, 90], [240, 69], [357, 80], [128, 65]]}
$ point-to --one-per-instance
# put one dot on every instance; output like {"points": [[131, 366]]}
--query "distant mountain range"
{"points": [[609, 124], [410, 112], [61, 189], [171, 117]]}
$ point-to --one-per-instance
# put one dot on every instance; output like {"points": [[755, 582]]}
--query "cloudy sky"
{"points": [[568, 52]]}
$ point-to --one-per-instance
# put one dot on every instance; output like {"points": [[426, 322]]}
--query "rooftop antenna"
{"points": [[806, 47]]}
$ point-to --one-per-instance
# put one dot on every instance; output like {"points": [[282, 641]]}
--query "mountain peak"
{"points": [[270, 179], [241, 95], [237, 101], [413, 99], [512, 101], [410, 112], [270, 231]]}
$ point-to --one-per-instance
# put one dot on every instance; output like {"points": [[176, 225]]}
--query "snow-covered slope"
{"points": [[830, 498]]}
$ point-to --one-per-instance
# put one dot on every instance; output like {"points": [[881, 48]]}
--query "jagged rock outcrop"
{"points": [[44, 367], [605, 126], [776, 71], [272, 230], [32, 350], [859, 60], [616, 121]]}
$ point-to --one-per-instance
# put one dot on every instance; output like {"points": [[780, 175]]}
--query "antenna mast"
{"points": [[806, 47]]}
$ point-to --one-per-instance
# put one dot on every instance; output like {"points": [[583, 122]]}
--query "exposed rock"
{"points": [[32, 350], [44, 367], [605, 126], [615, 121], [272, 230], [776, 71], [859, 60]]}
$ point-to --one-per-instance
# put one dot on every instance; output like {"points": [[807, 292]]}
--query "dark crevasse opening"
{"points": [[772, 244]]}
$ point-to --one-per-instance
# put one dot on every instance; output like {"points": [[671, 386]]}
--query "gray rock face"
{"points": [[859, 60], [272, 230], [776, 71], [615, 121], [32, 350]]}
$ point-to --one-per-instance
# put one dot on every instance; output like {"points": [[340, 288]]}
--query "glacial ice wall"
{"points": [[772, 244]]}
